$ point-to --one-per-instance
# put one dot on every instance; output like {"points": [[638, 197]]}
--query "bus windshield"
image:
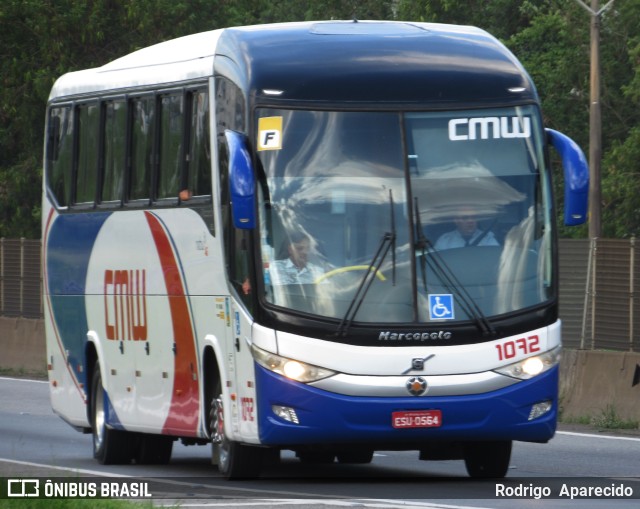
{"points": [[404, 217]]}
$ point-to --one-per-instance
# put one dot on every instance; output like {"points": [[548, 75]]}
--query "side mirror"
{"points": [[241, 181], [576, 178]]}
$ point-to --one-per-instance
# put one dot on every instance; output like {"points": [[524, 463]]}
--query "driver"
{"points": [[296, 268], [466, 233]]}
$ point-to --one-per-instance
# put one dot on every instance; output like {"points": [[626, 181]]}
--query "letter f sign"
{"points": [[270, 133]]}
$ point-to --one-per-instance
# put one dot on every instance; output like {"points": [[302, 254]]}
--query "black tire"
{"points": [[235, 461], [110, 446], [153, 449], [355, 457], [488, 460]]}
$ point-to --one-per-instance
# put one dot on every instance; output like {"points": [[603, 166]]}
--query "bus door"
{"points": [[240, 363], [240, 194]]}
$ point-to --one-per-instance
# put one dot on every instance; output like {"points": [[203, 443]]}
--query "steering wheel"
{"points": [[349, 268]]}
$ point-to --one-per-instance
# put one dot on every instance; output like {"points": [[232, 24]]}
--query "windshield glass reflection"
{"points": [[335, 214]]}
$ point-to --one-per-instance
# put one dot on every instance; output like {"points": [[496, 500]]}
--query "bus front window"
{"points": [[484, 209], [335, 189], [454, 220]]}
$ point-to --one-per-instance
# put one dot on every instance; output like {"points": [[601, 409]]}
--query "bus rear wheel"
{"points": [[110, 446], [153, 449], [487, 460], [235, 460]]}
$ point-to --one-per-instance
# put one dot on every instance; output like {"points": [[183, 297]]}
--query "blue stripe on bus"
{"points": [[68, 250], [69, 246], [329, 418]]}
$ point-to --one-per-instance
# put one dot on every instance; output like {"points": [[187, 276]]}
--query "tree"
{"points": [[42, 39], [621, 187]]}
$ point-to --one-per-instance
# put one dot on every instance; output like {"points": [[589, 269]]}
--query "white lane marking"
{"points": [[590, 435], [365, 502], [97, 473], [318, 498], [23, 380]]}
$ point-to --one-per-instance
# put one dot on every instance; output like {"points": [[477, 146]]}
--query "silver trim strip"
{"points": [[395, 386]]}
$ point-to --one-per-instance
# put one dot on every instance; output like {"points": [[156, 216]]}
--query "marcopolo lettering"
{"points": [[485, 128], [413, 336]]}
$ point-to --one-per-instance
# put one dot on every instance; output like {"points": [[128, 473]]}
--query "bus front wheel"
{"points": [[110, 446], [234, 460], [487, 460]]}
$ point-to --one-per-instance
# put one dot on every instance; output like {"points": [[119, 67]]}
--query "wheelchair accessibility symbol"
{"points": [[441, 307]]}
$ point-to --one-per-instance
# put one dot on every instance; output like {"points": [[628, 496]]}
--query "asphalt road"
{"points": [[36, 443]]}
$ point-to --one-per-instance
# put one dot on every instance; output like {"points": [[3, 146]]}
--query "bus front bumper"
{"points": [[325, 417]]}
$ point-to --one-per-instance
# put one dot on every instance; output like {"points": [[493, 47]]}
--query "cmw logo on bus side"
{"points": [[441, 307], [484, 128]]}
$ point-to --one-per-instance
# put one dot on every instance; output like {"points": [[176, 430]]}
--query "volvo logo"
{"points": [[417, 363], [416, 386]]}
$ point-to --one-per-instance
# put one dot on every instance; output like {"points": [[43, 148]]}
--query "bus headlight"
{"points": [[532, 366], [291, 368]]}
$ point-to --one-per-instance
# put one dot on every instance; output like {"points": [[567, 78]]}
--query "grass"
{"points": [[23, 373], [607, 419]]}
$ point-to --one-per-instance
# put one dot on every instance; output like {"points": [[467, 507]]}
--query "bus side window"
{"points": [[60, 154], [142, 138], [171, 146], [237, 243], [199, 158], [115, 148], [88, 143]]}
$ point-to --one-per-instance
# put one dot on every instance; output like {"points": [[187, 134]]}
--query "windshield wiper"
{"points": [[387, 242], [447, 277], [421, 244]]}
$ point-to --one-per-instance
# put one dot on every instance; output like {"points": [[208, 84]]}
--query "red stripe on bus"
{"points": [[185, 398]]}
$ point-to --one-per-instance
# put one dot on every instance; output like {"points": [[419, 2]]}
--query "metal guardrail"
{"points": [[599, 290]]}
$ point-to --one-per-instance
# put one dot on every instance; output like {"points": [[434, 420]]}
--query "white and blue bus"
{"points": [[325, 237]]}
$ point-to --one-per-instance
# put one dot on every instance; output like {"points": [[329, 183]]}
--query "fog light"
{"points": [[286, 413], [540, 409]]}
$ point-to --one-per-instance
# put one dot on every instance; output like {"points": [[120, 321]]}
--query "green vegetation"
{"points": [[42, 40], [23, 373], [607, 419]]}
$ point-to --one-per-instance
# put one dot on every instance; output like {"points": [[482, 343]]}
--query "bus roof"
{"points": [[329, 62], [178, 60]]}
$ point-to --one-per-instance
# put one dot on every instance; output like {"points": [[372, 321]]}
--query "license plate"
{"points": [[417, 419]]}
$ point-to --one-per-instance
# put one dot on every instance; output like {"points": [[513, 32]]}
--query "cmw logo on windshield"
{"points": [[484, 128]]}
